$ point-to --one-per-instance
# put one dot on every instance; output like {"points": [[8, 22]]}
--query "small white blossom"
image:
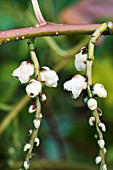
{"points": [[92, 104], [49, 77], [30, 132], [37, 141], [24, 71], [43, 97], [98, 159], [34, 88], [91, 121], [27, 147], [104, 167], [26, 164], [80, 59], [102, 126], [76, 85], [101, 143], [32, 109], [36, 123], [99, 90]]}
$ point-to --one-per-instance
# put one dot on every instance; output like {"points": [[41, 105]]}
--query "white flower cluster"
{"points": [[26, 69]]}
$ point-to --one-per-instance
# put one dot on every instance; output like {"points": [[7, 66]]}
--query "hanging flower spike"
{"points": [[99, 90], [80, 59], [34, 88], [49, 77], [24, 71], [76, 85]]}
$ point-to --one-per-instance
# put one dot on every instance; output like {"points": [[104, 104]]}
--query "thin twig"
{"points": [[38, 12]]}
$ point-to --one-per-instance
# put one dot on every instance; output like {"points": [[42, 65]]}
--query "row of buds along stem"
{"points": [[79, 84]]}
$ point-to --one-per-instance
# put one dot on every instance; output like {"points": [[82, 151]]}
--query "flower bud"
{"points": [[104, 167], [32, 109], [105, 150], [43, 97], [101, 143], [92, 104], [30, 132], [102, 126], [26, 164], [91, 121], [36, 123], [99, 90], [27, 147], [40, 116], [98, 159], [37, 141]]}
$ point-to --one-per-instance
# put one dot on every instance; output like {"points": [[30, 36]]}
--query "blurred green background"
{"points": [[64, 132]]}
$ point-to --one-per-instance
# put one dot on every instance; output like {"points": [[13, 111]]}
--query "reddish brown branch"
{"points": [[49, 29]]}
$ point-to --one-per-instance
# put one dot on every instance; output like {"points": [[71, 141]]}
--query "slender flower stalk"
{"points": [[37, 11], [34, 134], [103, 28]]}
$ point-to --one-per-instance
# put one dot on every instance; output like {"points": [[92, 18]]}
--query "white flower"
{"points": [[91, 121], [36, 123], [34, 88], [98, 159], [37, 141], [49, 77], [92, 104], [26, 164], [102, 126], [27, 147], [76, 85], [99, 90], [32, 109], [80, 59], [101, 143], [24, 71]]}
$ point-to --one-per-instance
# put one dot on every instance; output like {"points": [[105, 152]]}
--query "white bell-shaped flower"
{"points": [[92, 104], [49, 77], [76, 85], [80, 59], [24, 71], [34, 88], [99, 90]]}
